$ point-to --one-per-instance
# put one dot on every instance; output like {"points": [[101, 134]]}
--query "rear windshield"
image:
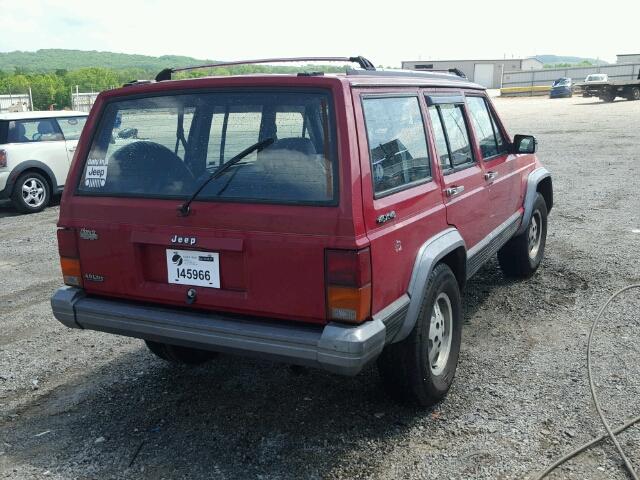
{"points": [[167, 146]]}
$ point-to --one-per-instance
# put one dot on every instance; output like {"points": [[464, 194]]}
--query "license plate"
{"points": [[188, 267]]}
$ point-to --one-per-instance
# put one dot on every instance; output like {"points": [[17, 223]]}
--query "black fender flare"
{"points": [[31, 165], [533, 180]]}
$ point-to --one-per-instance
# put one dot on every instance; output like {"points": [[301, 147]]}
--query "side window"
{"points": [[290, 125], [72, 127], [22, 131], [452, 125], [489, 136], [134, 125], [243, 130], [232, 132], [440, 138], [502, 144], [397, 142]]}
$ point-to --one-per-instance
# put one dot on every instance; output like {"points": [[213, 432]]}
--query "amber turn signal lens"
{"points": [[71, 271], [349, 304]]}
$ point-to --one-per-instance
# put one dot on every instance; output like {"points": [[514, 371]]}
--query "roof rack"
{"points": [[363, 62], [458, 72], [444, 74]]}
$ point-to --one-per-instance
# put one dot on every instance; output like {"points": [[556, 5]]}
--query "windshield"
{"points": [[167, 146], [562, 82]]}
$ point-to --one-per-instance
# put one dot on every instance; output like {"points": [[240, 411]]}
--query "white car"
{"points": [[36, 149], [597, 78]]}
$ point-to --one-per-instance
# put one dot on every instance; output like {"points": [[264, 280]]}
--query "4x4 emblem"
{"points": [[86, 234], [385, 217], [183, 240]]}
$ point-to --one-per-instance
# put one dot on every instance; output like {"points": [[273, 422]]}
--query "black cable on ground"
{"points": [[610, 433]]}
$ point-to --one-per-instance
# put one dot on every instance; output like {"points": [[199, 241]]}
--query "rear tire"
{"points": [[420, 369], [634, 94], [177, 354], [521, 256], [31, 193]]}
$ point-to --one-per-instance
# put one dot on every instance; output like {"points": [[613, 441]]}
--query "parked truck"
{"points": [[601, 86]]}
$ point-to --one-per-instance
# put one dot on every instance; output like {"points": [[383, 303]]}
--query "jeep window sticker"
{"points": [[96, 173]]}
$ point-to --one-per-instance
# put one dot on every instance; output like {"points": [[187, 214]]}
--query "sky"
{"points": [[385, 32]]}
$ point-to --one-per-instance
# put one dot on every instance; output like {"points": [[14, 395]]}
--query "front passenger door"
{"points": [[463, 177], [503, 171]]}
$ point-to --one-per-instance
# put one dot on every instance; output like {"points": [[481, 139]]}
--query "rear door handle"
{"points": [[453, 191], [490, 175], [72, 149]]}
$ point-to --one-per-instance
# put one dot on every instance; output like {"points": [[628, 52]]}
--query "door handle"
{"points": [[490, 175], [72, 149], [453, 191]]}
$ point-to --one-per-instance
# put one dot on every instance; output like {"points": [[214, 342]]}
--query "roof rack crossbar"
{"points": [[457, 76], [363, 62], [454, 71]]}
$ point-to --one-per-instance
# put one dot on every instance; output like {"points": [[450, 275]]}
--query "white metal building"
{"points": [[531, 64], [487, 73], [628, 58]]}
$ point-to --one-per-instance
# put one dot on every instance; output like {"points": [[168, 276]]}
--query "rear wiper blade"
{"points": [[184, 209]]}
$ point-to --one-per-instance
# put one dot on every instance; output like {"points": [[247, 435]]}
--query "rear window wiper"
{"points": [[184, 209]]}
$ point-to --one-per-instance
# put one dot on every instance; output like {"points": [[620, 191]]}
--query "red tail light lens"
{"points": [[348, 279], [351, 268], [3, 158]]}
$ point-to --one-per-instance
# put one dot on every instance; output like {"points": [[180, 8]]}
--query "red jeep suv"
{"points": [[326, 220]]}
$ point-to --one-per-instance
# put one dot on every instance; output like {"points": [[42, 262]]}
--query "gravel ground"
{"points": [[81, 404]]}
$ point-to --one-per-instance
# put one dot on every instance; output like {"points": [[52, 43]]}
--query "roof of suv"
{"points": [[378, 78], [40, 114]]}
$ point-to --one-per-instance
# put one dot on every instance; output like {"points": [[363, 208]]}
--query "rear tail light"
{"points": [[348, 284], [71, 273], [69, 257], [3, 158]]}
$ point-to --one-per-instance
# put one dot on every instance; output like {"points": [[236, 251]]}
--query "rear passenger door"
{"points": [[462, 175], [71, 129], [402, 196], [503, 171]]}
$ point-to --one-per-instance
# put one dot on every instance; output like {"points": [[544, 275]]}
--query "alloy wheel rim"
{"points": [[33, 192], [440, 337], [535, 234]]}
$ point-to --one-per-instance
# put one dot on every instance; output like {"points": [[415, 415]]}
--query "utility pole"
{"points": [[30, 98]]}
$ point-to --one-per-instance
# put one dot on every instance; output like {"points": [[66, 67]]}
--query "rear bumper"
{"points": [[561, 92], [335, 347]]}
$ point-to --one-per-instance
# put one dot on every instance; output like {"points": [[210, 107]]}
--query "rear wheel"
{"points": [[177, 354], [634, 94], [31, 193], [521, 256], [421, 367]]}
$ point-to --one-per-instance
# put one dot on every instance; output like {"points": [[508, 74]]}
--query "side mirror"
{"points": [[524, 144]]}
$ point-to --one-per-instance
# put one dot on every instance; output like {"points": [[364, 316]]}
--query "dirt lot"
{"points": [[80, 404]]}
